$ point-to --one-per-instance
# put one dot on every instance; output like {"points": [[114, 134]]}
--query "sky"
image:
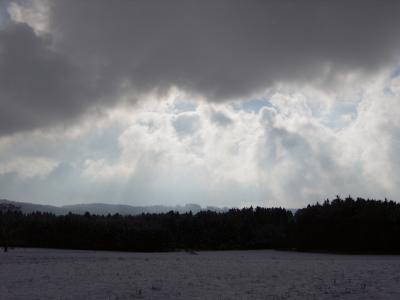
{"points": [[222, 103]]}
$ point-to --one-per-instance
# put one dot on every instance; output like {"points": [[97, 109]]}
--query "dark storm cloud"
{"points": [[219, 49], [37, 85]]}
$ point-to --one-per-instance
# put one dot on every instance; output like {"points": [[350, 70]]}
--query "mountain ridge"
{"points": [[106, 208]]}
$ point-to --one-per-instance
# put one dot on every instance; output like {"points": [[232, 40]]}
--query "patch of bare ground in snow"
{"points": [[67, 274]]}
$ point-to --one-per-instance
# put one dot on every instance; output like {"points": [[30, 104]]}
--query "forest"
{"points": [[341, 226]]}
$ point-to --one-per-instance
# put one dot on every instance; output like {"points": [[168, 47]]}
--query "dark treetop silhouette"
{"points": [[340, 225]]}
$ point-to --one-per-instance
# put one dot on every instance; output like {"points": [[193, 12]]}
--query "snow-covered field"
{"points": [[66, 274]]}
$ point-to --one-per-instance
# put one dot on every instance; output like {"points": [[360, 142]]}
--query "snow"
{"points": [[265, 274]]}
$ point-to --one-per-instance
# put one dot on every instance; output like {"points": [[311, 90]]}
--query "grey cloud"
{"points": [[37, 85], [226, 48], [219, 49]]}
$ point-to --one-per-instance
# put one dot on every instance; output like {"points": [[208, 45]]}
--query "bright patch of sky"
{"points": [[253, 105]]}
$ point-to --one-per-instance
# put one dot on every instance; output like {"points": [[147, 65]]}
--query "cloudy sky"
{"points": [[224, 103]]}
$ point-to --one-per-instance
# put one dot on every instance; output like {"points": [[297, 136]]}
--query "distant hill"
{"points": [[104, 209]]}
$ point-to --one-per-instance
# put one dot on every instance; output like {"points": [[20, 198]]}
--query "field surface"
{"points": [[67, 274]]}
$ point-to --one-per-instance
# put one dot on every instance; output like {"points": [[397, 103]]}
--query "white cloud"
{"points": [[28, 167], [175, 151], [35, 13]]}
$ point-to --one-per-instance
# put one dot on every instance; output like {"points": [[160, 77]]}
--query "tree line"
{"points": [[341, 225]]}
